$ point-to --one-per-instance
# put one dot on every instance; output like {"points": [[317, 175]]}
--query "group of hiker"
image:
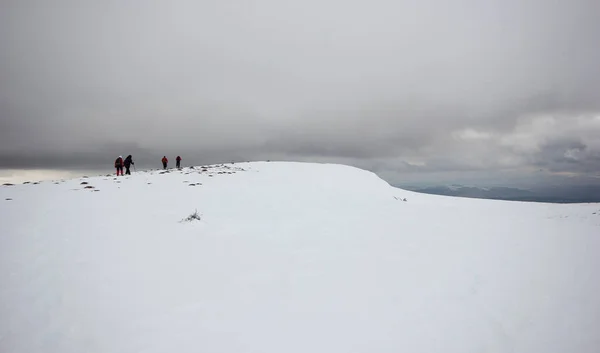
{"points": [[165, 161], [128, 162]]}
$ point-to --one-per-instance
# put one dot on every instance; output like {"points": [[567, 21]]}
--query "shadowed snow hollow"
{"points": [[290, 257]]}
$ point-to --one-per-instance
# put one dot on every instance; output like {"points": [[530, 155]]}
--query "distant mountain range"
{"points": [[553, 194]]}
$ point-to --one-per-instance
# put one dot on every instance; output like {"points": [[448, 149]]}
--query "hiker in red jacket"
{"points": [[119, 165], [178, 159], [164, 162]]}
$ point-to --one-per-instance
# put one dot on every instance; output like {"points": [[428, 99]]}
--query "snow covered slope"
{"points": [[290, 257]]}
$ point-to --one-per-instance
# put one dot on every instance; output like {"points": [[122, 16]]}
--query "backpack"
{"points": [[119, 162]]}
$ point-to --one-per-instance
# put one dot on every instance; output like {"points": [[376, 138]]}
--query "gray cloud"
{"points": [[409, 89], [568, 156]]}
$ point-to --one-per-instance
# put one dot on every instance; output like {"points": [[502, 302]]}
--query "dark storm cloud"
{"points": [[398, 87], [567, 156]]}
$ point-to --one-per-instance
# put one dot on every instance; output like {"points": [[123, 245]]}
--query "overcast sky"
{"points": [[482, 91]]}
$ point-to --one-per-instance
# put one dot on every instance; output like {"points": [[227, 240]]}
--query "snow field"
{"points": [[291, 257]]}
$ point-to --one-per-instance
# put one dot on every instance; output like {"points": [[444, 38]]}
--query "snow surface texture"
{"points": [[290, 257]]}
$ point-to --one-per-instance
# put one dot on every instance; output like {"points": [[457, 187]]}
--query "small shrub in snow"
{"points": [[193, 217]]}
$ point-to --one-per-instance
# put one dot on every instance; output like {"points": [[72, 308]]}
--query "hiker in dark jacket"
{"points": [[128, 163], [119, 165], [178, 159], [164, 162]]}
